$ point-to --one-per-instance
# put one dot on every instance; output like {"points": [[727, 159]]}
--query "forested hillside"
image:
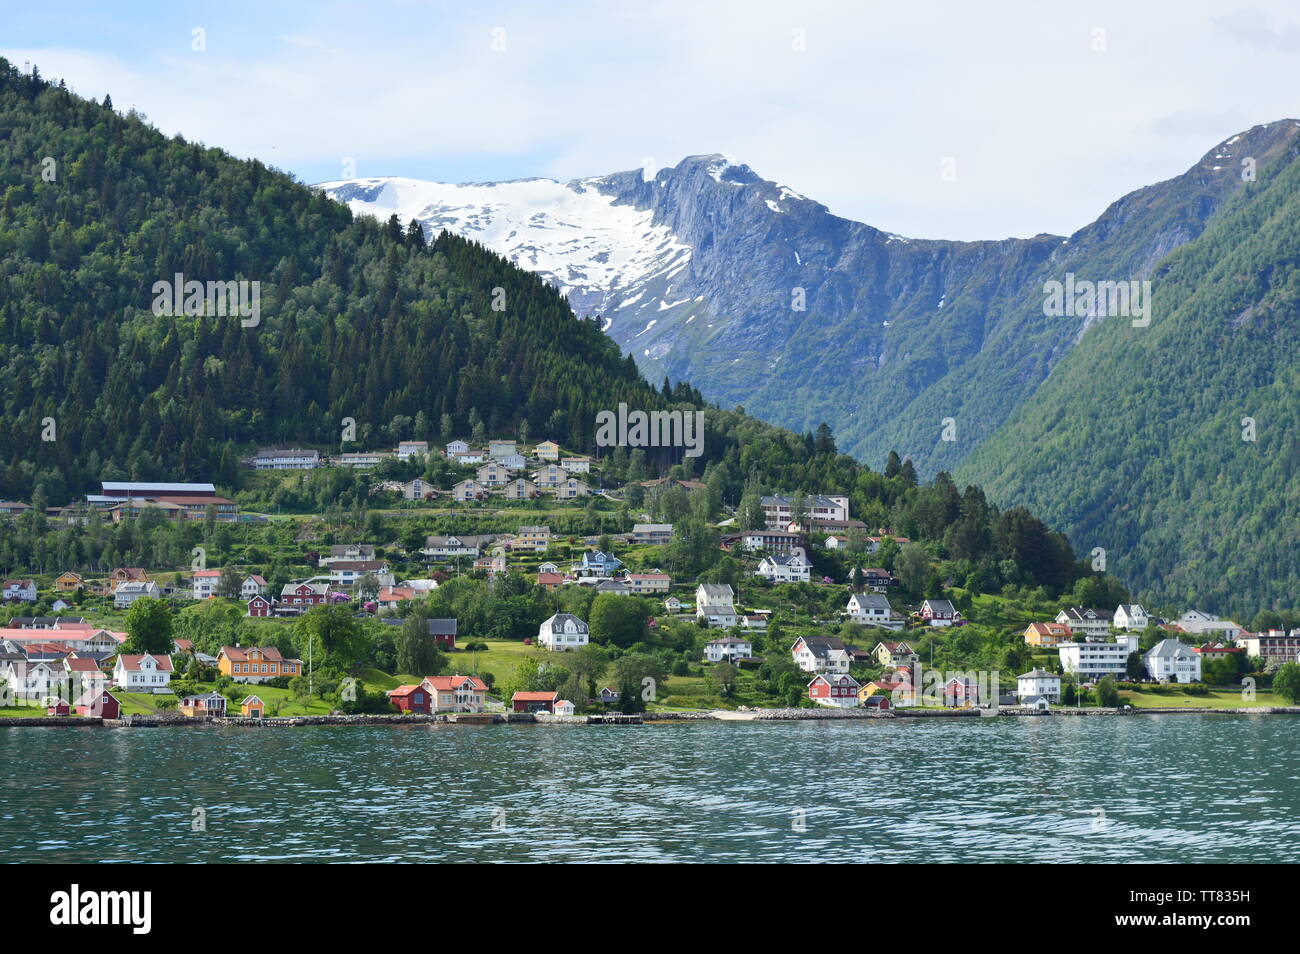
{"points": [[360, 320], [1176, 447]]}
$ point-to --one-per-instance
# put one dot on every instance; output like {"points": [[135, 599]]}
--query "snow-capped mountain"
{"points": [[621, 247], [761, 297], [599, 252]]}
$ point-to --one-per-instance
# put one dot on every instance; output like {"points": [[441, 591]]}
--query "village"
{"points": [[802, 607]]}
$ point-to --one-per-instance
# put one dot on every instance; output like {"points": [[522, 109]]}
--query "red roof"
{"points": [[549, 579], [240, 654], [535, 696], [403, 690], [78, 664], [448, 683]]}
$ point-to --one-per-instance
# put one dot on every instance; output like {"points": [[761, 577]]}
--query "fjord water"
{"points": [[1091, 789]]}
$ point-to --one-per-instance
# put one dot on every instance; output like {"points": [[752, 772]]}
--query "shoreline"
{"points": [[643, 718]]}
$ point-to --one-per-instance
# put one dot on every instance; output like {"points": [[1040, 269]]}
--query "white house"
{"points": [[1089, 623], [1198, 623], [563, 632], [1131, 617], [576, 465], [130, 591], [205, 583], [793, 568], [872, 609], [729, 648], [408, 449], [820, 654], [1039, 682], [25, 679], [253, 585], [22, 591], [563, 708], [1173, 661], [456, 448], [716, 604], [143, 673], [1092, 660], [778, 510]]}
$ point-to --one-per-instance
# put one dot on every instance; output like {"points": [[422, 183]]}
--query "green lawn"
{"points": [[1215, 699], [502, 658]]}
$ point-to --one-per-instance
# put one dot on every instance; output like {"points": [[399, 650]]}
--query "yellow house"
{"points": [[253, 707], [69, 582], [1047, 635], [547, 450]]}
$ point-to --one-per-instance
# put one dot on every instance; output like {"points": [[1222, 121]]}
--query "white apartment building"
{"points": [[1092, 660]]}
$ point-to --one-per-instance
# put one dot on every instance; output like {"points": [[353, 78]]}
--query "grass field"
{"points": [[1215, 699]]}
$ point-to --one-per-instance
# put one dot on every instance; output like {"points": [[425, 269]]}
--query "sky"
{"points": [[956, 119]]}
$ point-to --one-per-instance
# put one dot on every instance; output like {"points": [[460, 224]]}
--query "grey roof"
{"points": [[873, 601], [1075, 612], [1038, 674], [810, 500], [1169, 648], [942, 606], [560, 618], [822, 645], [437, 627], [466, 539], [719, 591], [111, 486]]}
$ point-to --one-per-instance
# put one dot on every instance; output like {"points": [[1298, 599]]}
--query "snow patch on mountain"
{"points": [[572, 234]]}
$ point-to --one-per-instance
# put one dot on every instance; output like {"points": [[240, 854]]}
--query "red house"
{"points": [[59, 707], [304, 594], [260, 606], [412, 699], [834, 690], [534, 701], [961, 692], [100, 703]]}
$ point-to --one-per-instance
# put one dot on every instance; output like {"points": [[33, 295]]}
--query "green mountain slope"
{"points": [[359, 320], [1135, 444]]}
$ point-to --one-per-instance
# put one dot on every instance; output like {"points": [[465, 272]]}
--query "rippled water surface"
{"points": [[1145, 788]]}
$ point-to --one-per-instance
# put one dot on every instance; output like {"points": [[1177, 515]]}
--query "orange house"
{"points": [[1047, 634], [253, 707], [256, 663], [69, 582]]}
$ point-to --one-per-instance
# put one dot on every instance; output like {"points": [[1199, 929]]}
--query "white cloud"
{"points": [[1046, 131]]}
